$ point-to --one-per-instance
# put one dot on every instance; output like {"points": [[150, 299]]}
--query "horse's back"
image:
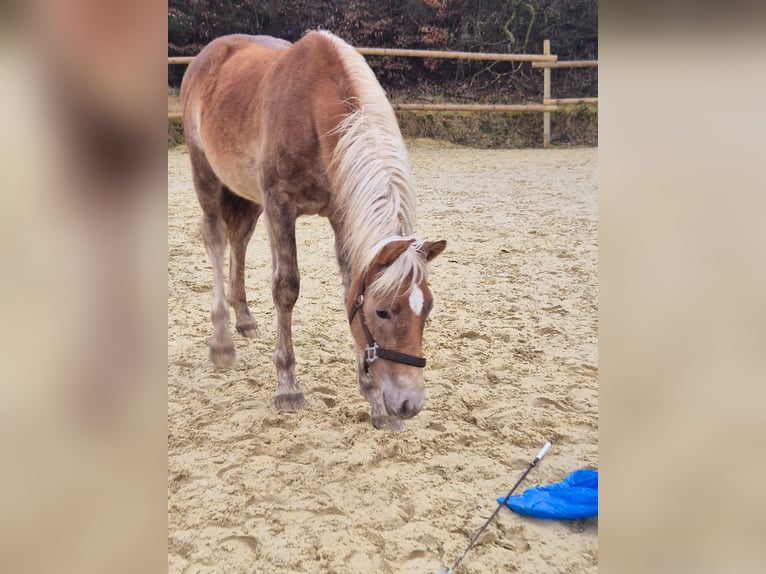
{"points": [[237, 76], [227, 68], [220, 98], [262, 111], [226, 50]]}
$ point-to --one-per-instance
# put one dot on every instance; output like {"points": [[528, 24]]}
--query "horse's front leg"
{"points": [[379, 417], [285, 287]]}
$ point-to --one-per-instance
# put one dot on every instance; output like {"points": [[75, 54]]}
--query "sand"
{"points": [[512, 361]]}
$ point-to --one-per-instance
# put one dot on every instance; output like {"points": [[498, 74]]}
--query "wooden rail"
{"points": [[566, 64], [475, 107], [457, 55], [569, 101], [545, 107], [542, 58], [547, 100], [545, 61]]}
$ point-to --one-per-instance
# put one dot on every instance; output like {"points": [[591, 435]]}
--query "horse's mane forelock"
{"points": [[372, 180]]}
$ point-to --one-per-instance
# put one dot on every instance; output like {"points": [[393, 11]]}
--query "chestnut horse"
{"points": [[285, 130]]}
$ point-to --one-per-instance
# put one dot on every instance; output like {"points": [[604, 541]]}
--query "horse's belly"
{"points": [[240, 176]]}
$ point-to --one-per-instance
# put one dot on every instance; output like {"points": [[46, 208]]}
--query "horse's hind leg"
{"points": [[240, 216], [209, 191]]}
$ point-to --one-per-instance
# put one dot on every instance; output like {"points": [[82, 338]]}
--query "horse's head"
{"points": [[387, 309]]}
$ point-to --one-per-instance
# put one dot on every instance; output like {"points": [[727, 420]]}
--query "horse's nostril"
{"points": [[405, 411]]}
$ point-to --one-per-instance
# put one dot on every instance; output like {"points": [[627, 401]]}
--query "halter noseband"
{"points": [[373, 351]]}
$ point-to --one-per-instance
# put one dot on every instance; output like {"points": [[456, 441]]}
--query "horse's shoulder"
{"points": [[319, 47], [318, 40]]}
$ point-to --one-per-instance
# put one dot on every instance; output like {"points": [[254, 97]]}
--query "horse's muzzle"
{"points": [[404, 403]]}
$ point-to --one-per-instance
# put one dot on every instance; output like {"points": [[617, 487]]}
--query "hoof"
{"points": [[222, 357], [289, 403], [249, 331], [387, 422]]}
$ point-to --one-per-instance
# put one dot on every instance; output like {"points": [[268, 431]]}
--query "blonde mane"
{"points": [[372, 180]]}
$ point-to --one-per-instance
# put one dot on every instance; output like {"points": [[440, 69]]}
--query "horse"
{"points": [[285, 129]]}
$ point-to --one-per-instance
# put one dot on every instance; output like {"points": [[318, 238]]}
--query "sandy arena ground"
{"points": [[512, 361]]}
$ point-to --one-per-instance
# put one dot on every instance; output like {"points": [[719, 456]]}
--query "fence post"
{"points": [[546, 96]]}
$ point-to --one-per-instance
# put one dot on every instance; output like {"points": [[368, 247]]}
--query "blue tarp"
{"points": [[573, 498]]}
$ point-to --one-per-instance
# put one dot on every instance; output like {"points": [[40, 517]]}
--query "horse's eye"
{"points": [[382, 313]]}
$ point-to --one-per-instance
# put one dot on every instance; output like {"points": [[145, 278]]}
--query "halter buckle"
{"points": [[371, 353]]}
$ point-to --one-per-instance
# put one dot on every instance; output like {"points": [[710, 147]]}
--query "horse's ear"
{"points": [[433, 248], [391, 251]]}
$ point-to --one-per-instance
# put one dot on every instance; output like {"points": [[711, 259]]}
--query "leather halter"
{"points": [[373, 351]]}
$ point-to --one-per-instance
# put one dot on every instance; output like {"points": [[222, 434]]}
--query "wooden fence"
{"points": [[545, 61]]}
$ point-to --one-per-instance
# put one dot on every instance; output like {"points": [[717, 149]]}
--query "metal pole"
{"points": [[540, 455]]}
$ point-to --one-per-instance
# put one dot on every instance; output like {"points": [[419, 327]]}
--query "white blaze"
{"points": [[416, 300]]}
